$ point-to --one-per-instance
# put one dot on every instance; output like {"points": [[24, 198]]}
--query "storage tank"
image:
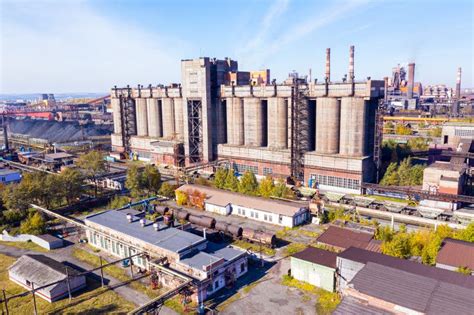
{"points": [[234, 230], [178, 118], [117, 116], [202, 221], [142, 117], [328, 112], [248, 233], [222, 226], [254, 122], [161, 209], [155, 128], [167, 107], [353, 126], [181, 214], [277, 122]]}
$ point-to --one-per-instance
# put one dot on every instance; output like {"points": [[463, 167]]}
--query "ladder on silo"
{"points": [[378, 138], [299, 129]]}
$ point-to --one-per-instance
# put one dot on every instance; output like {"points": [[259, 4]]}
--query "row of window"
{"points": [[336, 181], [255, 215], [242, 168], [115, 247], [464, 132]]}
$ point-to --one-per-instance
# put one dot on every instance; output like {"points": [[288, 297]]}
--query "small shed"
{"points": [[47, 241], [315, 266], [40, 270]]}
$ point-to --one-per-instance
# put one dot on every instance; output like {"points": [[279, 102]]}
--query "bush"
{"points": [[181, 198], [35, 225], [167, 190]]}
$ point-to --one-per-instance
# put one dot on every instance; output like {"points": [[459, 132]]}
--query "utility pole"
{"points": [[34, 298], [5, 300], [68, 284], [101, 272]]}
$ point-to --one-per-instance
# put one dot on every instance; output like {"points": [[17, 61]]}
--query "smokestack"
{"points": [[328, 64], [351, 64], [385, 89], [458, 84], [411, 80]]}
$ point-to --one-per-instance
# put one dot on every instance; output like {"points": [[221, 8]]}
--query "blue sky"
{"points": [[89, 46]]}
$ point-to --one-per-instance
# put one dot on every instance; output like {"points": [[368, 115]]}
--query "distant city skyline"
{"points": [[54, 46]]}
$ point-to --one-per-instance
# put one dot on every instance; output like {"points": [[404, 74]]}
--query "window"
{"points": [[216, 285], [267, 171], [270, 218], [256, 215], [242, 168], [242, 267], [265, 217], [243, 211], [251, 214], [239, 211], [336, 181]]}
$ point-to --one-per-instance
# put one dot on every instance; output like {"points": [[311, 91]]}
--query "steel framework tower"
{"points": [[299, 128]]}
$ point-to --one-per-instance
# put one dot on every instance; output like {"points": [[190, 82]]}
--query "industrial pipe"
{"points": [[351, 64]]}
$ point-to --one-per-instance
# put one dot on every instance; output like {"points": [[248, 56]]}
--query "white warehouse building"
{"points": [[278, 212]]}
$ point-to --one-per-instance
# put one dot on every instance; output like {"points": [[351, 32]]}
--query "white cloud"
{"points": [[315, 20], [66, 46]]}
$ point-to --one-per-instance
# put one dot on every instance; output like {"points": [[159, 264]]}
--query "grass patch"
{"points": [[25, 245], [326, 301], [94, 301], [256, 248], [114, 271], [294, 248], [176, 305], [384, 198]]}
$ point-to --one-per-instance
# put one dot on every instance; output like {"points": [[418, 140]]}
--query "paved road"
{"points": [[271, 297], [65, 254]]}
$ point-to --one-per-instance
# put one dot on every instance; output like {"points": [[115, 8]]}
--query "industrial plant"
{"points": [[322, 131]]}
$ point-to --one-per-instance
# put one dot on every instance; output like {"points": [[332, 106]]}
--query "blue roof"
{"points": [[6, 171], [171, 239]]}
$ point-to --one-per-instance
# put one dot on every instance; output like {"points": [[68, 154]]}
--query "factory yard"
{"points": [[268, 295]]}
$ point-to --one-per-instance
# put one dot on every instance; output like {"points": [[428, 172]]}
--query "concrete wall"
{"points": [[347, 271], [315, 274]]}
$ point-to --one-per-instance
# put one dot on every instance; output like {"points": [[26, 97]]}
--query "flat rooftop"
{"points": [[222, 198], [168, 238], [6, 171]]}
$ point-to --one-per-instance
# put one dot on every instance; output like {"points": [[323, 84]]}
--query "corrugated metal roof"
{"points": [[456, 253], [40, 269], [171, 239], [352, 306], [344, 238], [416, 292], [395, 286], [318, 256], [365, 256], [223, 198]]}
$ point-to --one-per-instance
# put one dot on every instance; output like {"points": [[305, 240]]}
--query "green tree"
{"points": [[266, 186], [134, 181], [118, 202], [182, 198], [389, 128], [34, 224], [281, 190], [384, 233], [435, 132], [167, 190], [71, 182], [419, 144], [231, 181], [248, 184], [220, 177], [391, 177], [467, 234], [93, 165], [399, 246], [151, 179], [430, 251]]}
